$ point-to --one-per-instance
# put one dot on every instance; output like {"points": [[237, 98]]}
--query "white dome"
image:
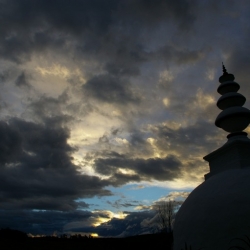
{"points": [[216, 212]]}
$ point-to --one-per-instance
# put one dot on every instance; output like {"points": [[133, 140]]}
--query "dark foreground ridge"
{"points": [[147, 241]]}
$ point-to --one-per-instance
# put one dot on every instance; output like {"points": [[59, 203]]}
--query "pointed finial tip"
{"points": [[224, 69]]}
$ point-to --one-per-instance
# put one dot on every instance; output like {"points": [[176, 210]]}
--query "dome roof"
{"points": [[215, 213]]}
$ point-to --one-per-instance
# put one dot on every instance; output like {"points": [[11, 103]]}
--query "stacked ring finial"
{"points": [[234, 118]]}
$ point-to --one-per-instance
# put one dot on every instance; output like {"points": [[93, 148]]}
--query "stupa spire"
{"points": [[224, 69], [233, 118]]}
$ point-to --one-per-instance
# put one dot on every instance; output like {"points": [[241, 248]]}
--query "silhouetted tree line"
{"points": [[79, 236], [19, 240], [72, 237]]}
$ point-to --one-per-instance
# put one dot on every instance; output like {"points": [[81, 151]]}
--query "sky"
{"points": [[107, 108]]}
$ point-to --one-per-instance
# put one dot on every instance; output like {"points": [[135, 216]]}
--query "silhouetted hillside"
{"points": [[12, 234], [150, 241]]}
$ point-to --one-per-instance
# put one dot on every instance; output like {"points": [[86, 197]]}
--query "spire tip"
{"points": [[224, 69]]}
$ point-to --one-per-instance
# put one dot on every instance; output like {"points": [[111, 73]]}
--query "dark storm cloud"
{"points": [[94, 14], [78, 221], [103, 139], [10, 143], [121, 203], [187, 139], [54, 222], [4, 75], [180, 55], [110, 89], [52, 108], [36, 26], [146, 169], [115, 69], [41, 222], [115, 131], [139, 146], [239, 66], [119, 179], [145, 14], [37, 170], [131, 225], [22, 81]]}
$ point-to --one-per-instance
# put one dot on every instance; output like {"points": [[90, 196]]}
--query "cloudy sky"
{"points": [[108, 107]]}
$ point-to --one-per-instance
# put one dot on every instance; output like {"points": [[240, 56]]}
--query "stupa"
{"points": [[216, 215]]}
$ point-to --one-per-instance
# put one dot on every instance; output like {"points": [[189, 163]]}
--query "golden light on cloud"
{"points": [[55, 69], [142, 207], [126, 171], [175, 195], [120, 215], [183, 183], [121, 141], [117, 113], [204, 100], [210, 74], [108, 216], [173, 125], [166, 75], [166, 102], [60, 71], [247, 130], [100, 221], [152, 142]]}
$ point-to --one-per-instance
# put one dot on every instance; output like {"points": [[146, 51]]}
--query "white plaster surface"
{"points": [[216, 212]]}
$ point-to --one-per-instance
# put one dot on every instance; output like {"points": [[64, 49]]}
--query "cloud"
{"points": [[41, 222], [185, 139], [167, 168], [100, 93], [177, 197], [50, 109], [21, 81], [181, 55], [110, 89], [173, 149], [37, 170], [130, 225], [121, 203], [175, 153], [152, 12]]}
